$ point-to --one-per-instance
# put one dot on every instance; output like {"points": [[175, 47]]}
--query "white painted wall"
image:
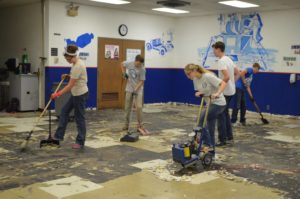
{"points": [[104, 22], [280, 30], [21, 27]]}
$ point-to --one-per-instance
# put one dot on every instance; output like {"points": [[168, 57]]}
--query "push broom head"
{"points": [[25, 143], [265, 121]]}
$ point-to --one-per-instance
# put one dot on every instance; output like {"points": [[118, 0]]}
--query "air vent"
{"points": [[174, 3], [110, 96]]}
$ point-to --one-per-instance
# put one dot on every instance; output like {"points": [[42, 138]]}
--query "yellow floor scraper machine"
{"points": [[193, 152]]}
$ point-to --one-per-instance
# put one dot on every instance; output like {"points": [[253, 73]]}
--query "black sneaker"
{"points": [[221, 144]]}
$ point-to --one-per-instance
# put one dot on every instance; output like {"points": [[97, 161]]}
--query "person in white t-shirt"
{"points": [[228, 72], [79, 93]]}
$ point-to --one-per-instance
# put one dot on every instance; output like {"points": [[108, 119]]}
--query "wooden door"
{"points": [[111, 85]]}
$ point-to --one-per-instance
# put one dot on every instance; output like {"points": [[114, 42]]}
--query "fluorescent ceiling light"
{"points": [[171, 10], [239, 4], [117, 2]]}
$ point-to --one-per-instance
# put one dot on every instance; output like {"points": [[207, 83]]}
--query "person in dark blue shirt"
{"points": [[242, 86]]}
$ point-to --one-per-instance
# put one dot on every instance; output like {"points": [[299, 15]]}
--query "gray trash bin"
{"points": [[61, 101]]}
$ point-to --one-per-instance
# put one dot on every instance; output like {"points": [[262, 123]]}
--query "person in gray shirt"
{"points": [[135, 73], [208, 85]]}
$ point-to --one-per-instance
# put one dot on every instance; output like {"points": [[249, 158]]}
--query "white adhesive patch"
{"points": [[101, 142], [160, 169], [69, 186], [151, 164], [22, 124], [204, 177], [152, 110], [152, 139], [292, 126], [3, 151], [283, 138], [174, 132]]}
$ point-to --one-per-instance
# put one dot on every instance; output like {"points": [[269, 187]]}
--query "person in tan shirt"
{"points": [[77, 85]]}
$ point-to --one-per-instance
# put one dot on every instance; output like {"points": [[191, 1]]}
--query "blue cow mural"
{"points": [[82, 40], [241, 34], [160, 45]]}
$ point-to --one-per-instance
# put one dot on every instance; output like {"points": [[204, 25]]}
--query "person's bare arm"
{"points": [[220, 90], [242, 75], [250, 93], [68, 88], [226, 76], [236, 73]]}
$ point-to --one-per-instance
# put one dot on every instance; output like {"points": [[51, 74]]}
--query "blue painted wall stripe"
{"points": [[165, 85]]}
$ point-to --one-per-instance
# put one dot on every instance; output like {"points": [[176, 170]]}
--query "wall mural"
{"points": [[82, 40], [242, 36], [162, 45]]}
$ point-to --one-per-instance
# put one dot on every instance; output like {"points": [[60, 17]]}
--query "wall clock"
{"points": [[123, 30]]}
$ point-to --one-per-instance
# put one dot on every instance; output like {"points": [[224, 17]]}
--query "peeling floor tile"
{"points": [[144, 144], [283, 138], [173, 132], [3, 151], [204, 177], [69, 186], [152, 110], [151, 164], [292, 126], [101, 142], [22, 124], [160, 169], [289, 137]]}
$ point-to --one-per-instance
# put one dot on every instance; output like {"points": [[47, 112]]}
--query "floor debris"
{"points": [[263, 162]]}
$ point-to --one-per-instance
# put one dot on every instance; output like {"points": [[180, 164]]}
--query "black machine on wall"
{"points": [[13, 65]]}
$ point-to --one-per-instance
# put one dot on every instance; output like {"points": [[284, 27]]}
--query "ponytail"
{"points": [[192, 67]]}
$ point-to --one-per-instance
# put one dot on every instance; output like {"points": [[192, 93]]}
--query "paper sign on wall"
{"points": [[132, 53], [112, 52]]}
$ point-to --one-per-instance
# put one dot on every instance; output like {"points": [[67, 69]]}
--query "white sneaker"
{"points": [[235, 124]]}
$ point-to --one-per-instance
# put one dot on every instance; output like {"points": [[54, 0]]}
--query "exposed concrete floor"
{"points": [[264, 161]]}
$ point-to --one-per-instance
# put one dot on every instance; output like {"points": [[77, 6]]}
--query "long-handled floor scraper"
{"points": [[264, 120], [26, 141], [131, 136]]}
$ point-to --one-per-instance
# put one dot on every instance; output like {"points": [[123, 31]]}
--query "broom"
{"points": [[26, 141], [264, 120]]}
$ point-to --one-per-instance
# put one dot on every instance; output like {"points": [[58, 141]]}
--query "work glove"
{"points": [[252, 99], [56, 95], [65, 76], [125, 76]]}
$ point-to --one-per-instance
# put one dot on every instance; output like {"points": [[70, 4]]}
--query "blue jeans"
{"points": [[239, 104], [78, 104], [224, 123], [213, 113]]}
